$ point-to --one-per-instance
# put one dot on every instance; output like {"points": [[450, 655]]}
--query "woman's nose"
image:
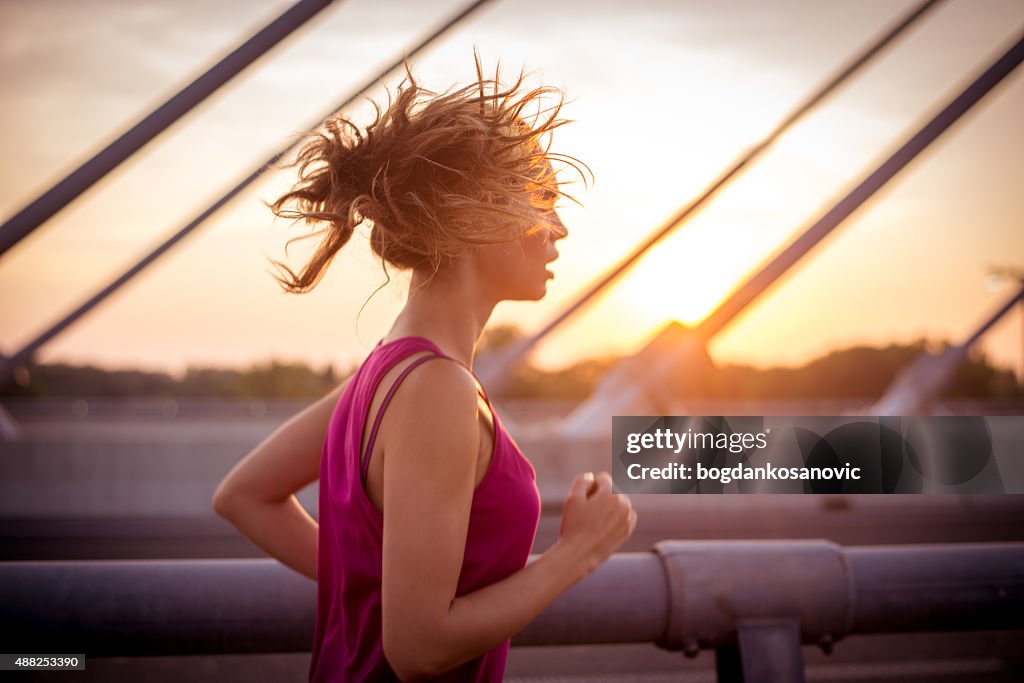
{"points": [[551, 252], [551, 249], [556, 228]]}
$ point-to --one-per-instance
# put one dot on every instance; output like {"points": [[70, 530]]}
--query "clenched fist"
{"points": [[596, 521]]}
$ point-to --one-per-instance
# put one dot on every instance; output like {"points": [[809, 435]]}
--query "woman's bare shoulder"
{"points": [[441, 380], [440, 393]]}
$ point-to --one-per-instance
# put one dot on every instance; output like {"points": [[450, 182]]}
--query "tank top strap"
{"points": [[483, 392], [364, 456], [479, 384]]}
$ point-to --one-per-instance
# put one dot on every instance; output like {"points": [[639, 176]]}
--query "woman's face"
{"points": [[520, 270]]}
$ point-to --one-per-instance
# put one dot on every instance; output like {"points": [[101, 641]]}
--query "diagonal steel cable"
{"points": [[495, 371], [7, 364], [841, 210], [132, 140], [595, 409]]}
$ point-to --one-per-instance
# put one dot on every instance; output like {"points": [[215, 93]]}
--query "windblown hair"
{"points": [[433, 174]]}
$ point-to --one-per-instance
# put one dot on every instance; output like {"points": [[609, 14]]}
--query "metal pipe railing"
{"points": [[740, 598], [109, 608]]}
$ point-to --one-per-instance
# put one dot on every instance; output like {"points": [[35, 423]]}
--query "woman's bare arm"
{"points": [[431, 434], [257, 495]]}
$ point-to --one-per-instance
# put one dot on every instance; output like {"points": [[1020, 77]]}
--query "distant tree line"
{"points": [[273, 379], [866, 372], [857, 372]]}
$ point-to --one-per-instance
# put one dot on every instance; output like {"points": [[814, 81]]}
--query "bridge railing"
{"points": [[755, 603]]}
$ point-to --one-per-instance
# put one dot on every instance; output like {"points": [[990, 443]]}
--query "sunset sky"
{"points": [[665, 95]]}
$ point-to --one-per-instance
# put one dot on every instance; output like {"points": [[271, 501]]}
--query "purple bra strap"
{"points": [[364, 457]]}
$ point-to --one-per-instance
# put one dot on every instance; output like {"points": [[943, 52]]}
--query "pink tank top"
{"points": [[505, 510]]}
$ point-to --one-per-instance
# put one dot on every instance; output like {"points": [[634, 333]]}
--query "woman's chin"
{"points": [[532, 294]]}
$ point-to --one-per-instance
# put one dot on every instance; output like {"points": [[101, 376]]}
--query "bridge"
{"points": [[110, 548]]}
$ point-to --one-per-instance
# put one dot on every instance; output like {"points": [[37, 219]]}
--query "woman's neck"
{"points": [[446, 308]]}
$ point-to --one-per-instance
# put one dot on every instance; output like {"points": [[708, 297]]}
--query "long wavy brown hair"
{"points": [[432, 174]]}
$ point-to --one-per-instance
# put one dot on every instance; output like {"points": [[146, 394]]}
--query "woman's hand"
{"points": [[596, 521]]}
